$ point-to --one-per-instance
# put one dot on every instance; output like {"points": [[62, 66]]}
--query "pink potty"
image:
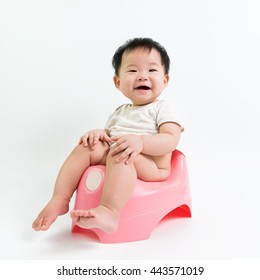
{"points": [[150, 202]]}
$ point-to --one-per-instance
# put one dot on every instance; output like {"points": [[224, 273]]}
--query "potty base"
{"points": [[150, 203]]}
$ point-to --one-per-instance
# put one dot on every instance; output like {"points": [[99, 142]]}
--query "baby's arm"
{"points": [[159, 144], [92, 137], [164, 142]]}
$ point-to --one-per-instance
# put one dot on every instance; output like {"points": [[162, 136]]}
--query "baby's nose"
{"points": [[142, 77]]}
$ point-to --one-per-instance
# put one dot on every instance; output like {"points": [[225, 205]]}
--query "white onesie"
{"points": [[145, 119]]}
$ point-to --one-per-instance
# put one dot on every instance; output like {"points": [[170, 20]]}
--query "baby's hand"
{"points": [[92, 137], [127, 147]]}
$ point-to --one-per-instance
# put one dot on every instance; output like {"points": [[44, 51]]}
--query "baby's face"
{"points": [[141, 76]]}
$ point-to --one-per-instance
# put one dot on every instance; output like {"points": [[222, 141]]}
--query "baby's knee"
{"points": [[96, 154], [99, 153]]}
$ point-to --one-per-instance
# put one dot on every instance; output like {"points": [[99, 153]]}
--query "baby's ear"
{"points": [[116, 81], [166, 79]]}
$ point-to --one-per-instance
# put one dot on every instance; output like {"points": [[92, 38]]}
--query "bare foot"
{"points": [[49, 214], [100, 217]]}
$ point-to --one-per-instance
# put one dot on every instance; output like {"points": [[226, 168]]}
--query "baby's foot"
{"points": [[100, 217], [49, 214]]}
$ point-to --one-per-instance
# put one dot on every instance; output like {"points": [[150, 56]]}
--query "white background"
{"points": [[56, 83]]}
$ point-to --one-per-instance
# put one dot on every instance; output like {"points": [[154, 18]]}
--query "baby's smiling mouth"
{"points": [[143, 87]]}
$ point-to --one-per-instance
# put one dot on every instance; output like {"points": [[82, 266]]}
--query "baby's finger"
{"points": [[91, 139], [117, 148], [131, 158], [124, 155], [115, 138], [86, 139], [107, 138], [95, 139]]}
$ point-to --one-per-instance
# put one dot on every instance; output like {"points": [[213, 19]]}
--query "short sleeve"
{"points": [[167, 113]]}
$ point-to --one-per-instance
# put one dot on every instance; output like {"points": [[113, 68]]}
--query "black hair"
{"points": [[145, 43]]}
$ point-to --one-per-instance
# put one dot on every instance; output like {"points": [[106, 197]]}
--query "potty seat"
{"points": [[150, 203]]}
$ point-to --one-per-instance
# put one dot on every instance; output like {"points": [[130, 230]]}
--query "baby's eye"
{"points": [[131, 70], [152, 70]]}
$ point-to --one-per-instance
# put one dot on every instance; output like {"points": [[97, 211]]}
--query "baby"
{"points": [[137, 141]]}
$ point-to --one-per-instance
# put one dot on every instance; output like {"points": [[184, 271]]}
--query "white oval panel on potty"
{"points": [[94, 179]]}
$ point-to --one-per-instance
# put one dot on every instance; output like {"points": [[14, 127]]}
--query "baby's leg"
{"points": [[67, 181], [151, 168], [120, 181]]}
